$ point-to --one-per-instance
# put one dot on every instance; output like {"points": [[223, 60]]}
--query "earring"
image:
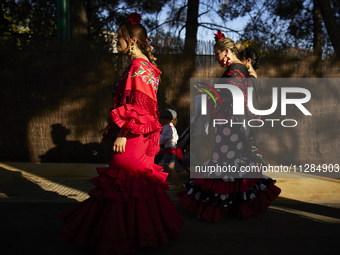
{"points": [[247, 65], [226, 61], [132, 50]]}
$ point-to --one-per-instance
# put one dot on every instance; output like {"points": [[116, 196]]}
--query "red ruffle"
{"points": [[221, 187], [122, 185], [212, 213], [126, 210], [138, 120], [114, 228]]}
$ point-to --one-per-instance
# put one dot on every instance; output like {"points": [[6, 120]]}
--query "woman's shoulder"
{"points": [[236, 70], [139, 61], [143, 64]]}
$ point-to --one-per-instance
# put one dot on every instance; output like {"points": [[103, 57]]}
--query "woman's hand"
{"points": [[119, 145], [120, 142]]}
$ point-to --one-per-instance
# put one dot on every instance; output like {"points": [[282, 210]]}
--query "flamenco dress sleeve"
{"points": [[236, 75], [136, 108]]}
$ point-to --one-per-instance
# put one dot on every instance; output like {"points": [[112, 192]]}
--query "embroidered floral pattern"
{"points": [[147, 76], [238, 80]]}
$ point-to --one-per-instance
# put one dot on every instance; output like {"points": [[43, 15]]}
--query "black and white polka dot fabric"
{"points": [[237, 192]]}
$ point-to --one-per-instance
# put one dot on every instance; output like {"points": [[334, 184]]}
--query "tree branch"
{"points": [[167, 21], [216, 26]]}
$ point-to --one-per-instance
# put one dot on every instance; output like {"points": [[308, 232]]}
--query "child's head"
{"points": [[167, 116]]}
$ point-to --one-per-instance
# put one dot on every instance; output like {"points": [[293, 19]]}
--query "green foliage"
{"points": [[280, 25], [23, 20], [275, 25]]}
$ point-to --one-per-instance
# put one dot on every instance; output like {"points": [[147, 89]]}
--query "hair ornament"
{"points": [[219, 35], [246, 44], [134, 18]]}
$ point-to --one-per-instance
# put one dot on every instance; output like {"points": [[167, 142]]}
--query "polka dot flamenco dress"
{"points": [[241, 196]]}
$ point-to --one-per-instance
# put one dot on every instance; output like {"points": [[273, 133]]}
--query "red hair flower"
{"points": [[219, 35], [134, 18]]}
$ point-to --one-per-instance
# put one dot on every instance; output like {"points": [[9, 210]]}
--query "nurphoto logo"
{"points": [[238, 104]]}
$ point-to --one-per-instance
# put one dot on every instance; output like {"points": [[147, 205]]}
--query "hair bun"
{"points": [[239, 46]]}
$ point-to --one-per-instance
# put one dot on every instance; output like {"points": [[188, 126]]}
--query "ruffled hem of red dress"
{"points": [[122, 185], [123, 212], [110, 228], [121, 247], [226, 187]]}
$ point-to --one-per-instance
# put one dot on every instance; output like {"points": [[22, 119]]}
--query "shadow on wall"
{"points": [[74, 151], [61, 85]]}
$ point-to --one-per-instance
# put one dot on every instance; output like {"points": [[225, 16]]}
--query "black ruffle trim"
{"points": [[223, 200]]}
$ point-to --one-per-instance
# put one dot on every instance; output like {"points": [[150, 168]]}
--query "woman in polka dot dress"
{"points": [[240, 194]]}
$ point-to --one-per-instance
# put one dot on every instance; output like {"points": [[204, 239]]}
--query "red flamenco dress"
{"points": [[225, 193], [129, 207]]}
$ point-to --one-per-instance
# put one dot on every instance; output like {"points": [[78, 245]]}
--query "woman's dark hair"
{"points": [[252, 54], [130, 31]]}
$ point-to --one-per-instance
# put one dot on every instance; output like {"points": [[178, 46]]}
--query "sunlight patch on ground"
{"points": [[307, 215]]}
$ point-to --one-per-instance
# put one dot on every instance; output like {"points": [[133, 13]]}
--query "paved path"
{"points": [[304, 220], [59, 181]]}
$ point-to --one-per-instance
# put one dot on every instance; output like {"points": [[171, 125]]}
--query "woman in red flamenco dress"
{"points": [[213, 196], [129, 207]]}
